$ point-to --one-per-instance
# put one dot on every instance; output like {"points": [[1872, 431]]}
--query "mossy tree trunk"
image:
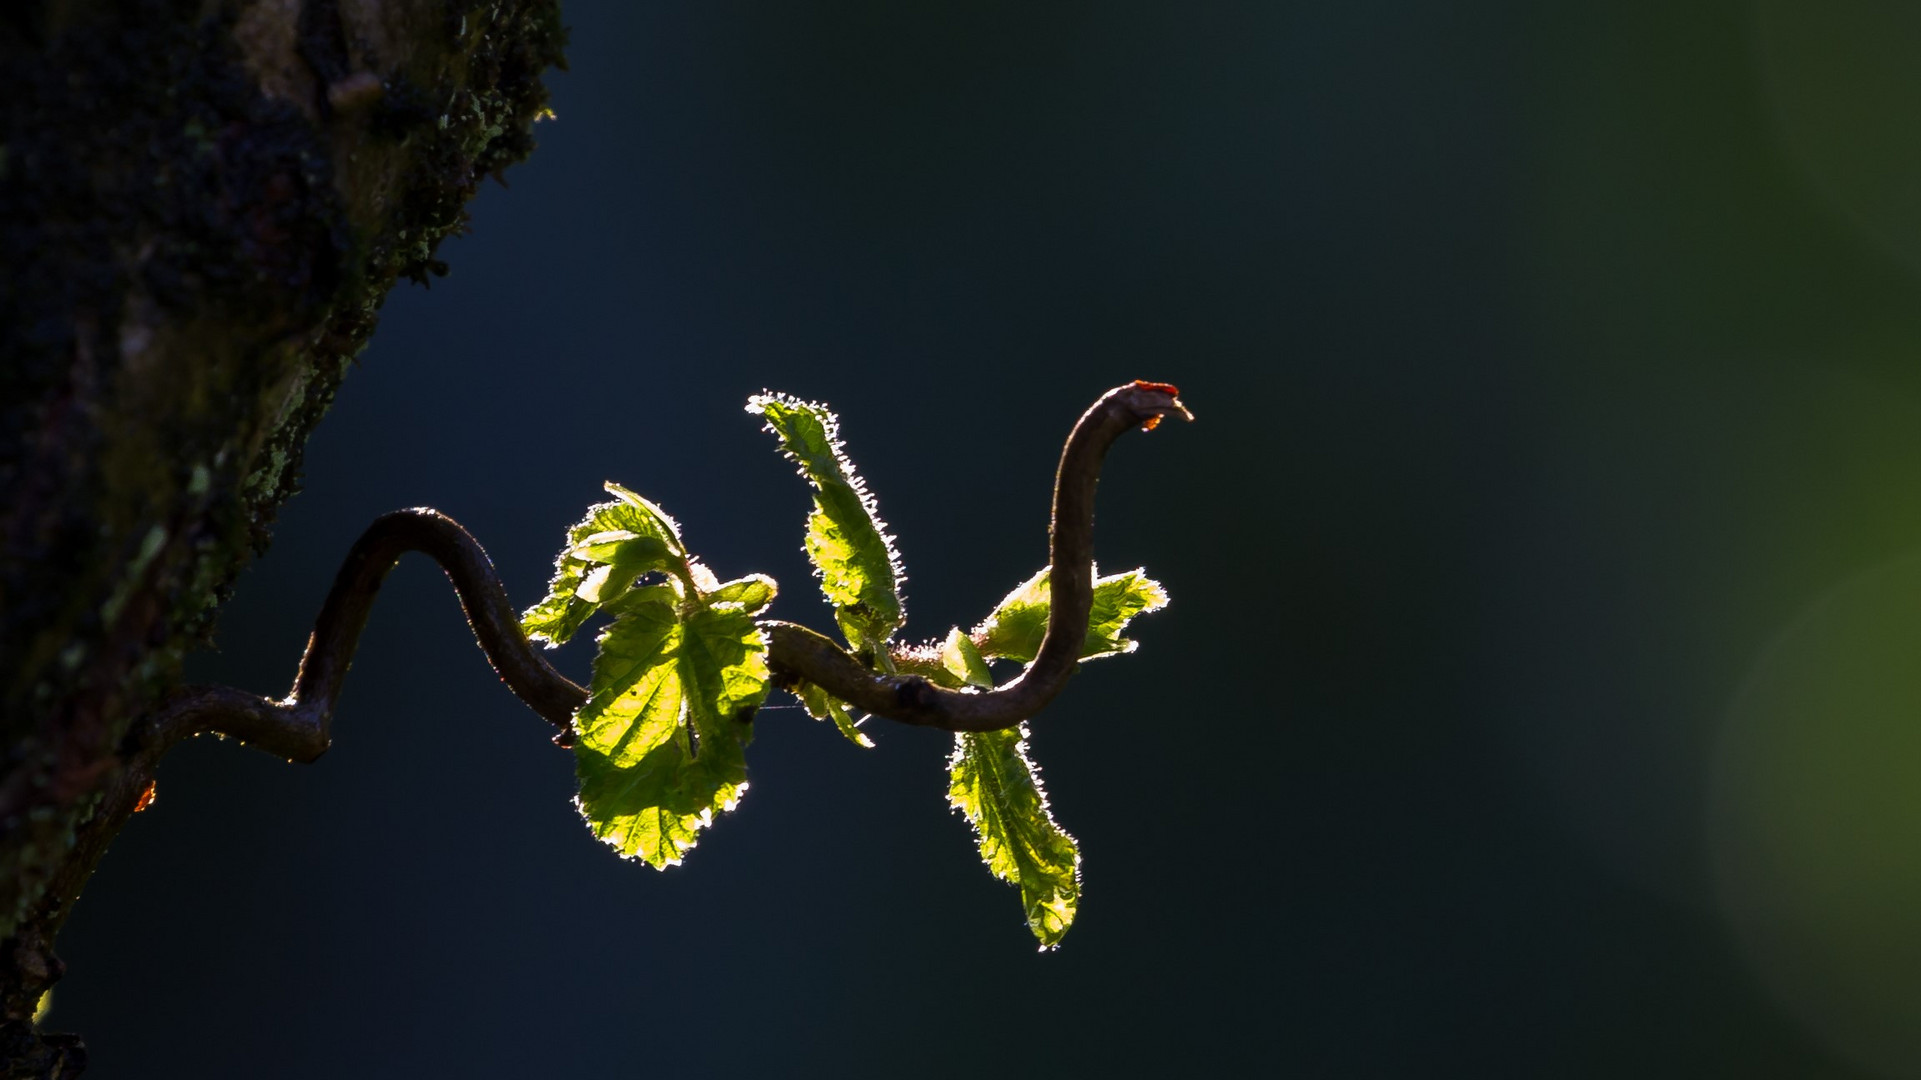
{"points": [[202, 205]]}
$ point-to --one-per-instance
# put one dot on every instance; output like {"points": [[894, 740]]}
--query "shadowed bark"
{"points": [[202, 206]]}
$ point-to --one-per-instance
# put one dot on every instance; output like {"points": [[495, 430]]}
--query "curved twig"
{"points": [[297, 727]]}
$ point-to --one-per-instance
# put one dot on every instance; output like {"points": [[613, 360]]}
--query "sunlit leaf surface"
{"points": [[1016, 627], [860, 572], [659, 742], [680, 671], [992, 782], [963, 661], [753, 593], [614, 544]]}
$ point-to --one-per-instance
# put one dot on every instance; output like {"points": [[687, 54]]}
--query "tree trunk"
{"points": [[202, 206]]}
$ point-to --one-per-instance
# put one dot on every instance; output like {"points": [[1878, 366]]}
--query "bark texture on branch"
{"points": [[203, 204]]}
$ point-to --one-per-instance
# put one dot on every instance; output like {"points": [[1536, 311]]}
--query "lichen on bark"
{"points": [[203, 204]]}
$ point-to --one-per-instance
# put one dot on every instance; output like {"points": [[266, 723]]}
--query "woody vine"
{"points": [[684, 663]]}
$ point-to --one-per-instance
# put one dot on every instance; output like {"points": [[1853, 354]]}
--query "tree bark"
{"points": [[203, 204]]}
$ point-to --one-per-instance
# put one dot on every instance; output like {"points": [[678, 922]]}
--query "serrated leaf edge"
{"points": [[1046, 805], [830, 428]]}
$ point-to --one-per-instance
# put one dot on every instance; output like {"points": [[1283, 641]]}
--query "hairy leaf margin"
{"points": [[853, 554], [993, 782]]}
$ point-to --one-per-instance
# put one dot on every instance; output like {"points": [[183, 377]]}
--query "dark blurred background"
{"points": [[1540, 693]]}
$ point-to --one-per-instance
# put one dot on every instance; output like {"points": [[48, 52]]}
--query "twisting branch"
{"points": [[297, 727]]}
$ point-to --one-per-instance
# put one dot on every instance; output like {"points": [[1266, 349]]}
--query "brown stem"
{"points": [[296, 727]]}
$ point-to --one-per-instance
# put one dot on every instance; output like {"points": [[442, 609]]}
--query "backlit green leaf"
{"points": [[859, 570], [961, 659], [605, 584], [753, 593], [629, 533], [639, 516], [1016, 627], [653, 809], [622, 547], [659, 743], [992, 781], [636, 698]]}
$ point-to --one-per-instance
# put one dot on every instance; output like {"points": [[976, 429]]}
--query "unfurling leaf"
{"points": [[1016, 627], [859, 570], [962, 660], [605, 584], [753, 593], [614, 544], [623, 547], [991, 780]]}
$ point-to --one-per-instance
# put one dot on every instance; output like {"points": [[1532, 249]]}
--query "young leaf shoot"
{"points": [[682, 667], [685, 660]]}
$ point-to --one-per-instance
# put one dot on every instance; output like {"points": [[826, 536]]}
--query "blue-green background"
{"points": [[1541, 693]]}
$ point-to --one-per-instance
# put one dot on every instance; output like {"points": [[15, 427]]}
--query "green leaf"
{"points": [[562, 611], [635, 701], [959, 656], [1016, 627], [859, 569], [992, 781], [605, 584], [623, 547], [634, 514], [653, 809], [659, 747], [753, 593], [634, 598], [822, 705], [630, 533]]}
